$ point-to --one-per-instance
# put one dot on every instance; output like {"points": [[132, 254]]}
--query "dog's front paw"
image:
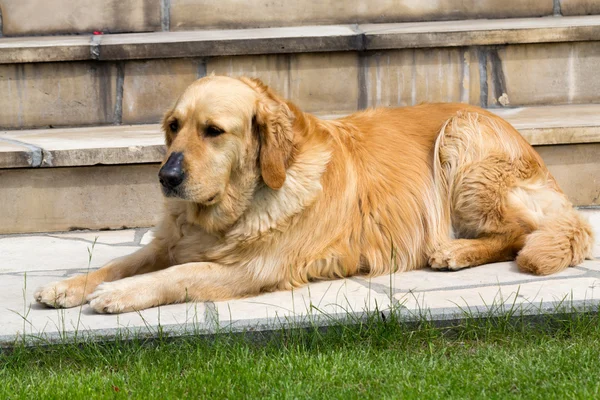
{"points": [[64, 294], [123, 296]]}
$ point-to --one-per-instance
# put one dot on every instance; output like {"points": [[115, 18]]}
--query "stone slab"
{"points": [[480, 32], [563, 73], [487, 275], [576, 169], [123, 237], [523, 298], [151, 87], [132, 144], [579, 7], [100, 145], [62, 199], [45, 49], [337, 299], [304, 39], [412, 76], [193, 14], [546, 125], [15, 155], [229, 42], [27, 261], [57, 94], [42, 17]]}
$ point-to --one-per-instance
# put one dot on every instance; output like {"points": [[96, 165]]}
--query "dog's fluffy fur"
{"points": [[281, 198]]}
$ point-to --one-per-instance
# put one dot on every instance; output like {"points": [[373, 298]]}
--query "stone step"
{"points": [[107, 176], [30, 261], [325, 69], [30, 17], [302, 39]]}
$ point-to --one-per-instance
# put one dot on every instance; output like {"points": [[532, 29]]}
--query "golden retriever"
{"points": [[261, 197]]}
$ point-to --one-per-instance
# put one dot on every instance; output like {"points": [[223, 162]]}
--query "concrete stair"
{"points": [[79, 140]]}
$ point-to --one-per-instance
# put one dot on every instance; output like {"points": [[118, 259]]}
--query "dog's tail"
{"points": [[559, 242]]}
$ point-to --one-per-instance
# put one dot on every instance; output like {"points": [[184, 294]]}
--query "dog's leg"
{"points": [[463, 253], [73, 291], [201, 281]]}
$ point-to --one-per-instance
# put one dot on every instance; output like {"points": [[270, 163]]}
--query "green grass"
{"points": [[558, 357]]}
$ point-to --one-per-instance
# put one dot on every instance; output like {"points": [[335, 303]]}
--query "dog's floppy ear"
{"points": [[274, 121], [166, 121]]}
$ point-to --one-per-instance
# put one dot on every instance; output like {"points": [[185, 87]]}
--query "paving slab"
{"points": [[28, 261]]}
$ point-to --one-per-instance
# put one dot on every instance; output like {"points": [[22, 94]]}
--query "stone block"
{"points": [[57, 94], [579, 7], [576, 169], [325, 83], [408, 77], [151, 87], [194, 14], [61, 199], [272, 69], [16, 155], [317, 82], [42, 17], [558, 73]]}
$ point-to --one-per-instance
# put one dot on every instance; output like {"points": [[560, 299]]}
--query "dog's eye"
{"points": [[174, 126], [213, 131]]}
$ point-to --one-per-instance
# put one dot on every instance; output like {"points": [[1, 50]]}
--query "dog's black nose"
{"points": [[171, 174]]}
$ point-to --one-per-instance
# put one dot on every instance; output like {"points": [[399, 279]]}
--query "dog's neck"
{"points": [[272, 210]]}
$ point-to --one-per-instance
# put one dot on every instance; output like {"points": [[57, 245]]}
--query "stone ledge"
{"points": [[299, 39], [137, 144]]}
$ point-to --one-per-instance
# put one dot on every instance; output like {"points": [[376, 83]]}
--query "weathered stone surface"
{"points": [[38, 254], [577, 170], [194, 14], [229, 42], [14, 155], [562, 73], [36, 95], [302, 39], [272, 69], [342, 297], [41, 17], [44, 49], [323, 83], [523, 298], [542, 125], [151, 87], [408, 77], [121, 237], [489, 275], [91, 145], [28, 261], [61, 199], [320, 83], [480, 32], [579, 7]]}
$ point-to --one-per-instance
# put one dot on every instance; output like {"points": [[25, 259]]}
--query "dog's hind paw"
{"points": [[451, 257]]}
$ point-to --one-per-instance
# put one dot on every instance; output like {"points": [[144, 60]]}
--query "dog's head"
{"points": [[225, 136]]}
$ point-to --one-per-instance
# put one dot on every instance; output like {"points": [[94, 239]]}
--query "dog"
{"points": [[260, 197]]}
